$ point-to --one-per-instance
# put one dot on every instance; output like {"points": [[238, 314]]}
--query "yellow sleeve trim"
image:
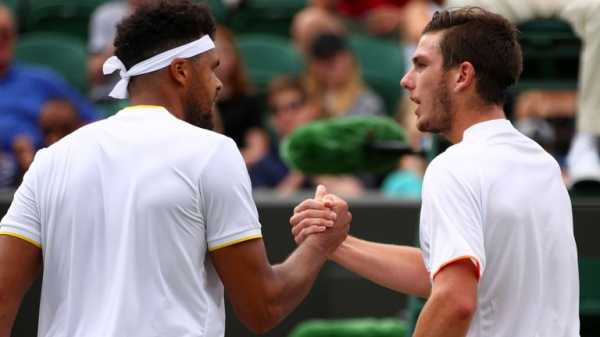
{"points": [[235, 242], [24, 238]]}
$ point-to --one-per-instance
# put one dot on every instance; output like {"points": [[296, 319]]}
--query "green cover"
{"points": [[337, 146], [351, 328]]}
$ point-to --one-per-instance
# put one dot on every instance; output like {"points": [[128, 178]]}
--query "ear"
{"points": [[464, 77], [180, 71]]}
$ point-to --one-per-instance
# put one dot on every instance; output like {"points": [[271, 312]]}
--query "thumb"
{"points": [[320, 193]]}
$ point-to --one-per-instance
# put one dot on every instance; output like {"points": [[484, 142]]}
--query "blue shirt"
{"points": [[23, 92]]}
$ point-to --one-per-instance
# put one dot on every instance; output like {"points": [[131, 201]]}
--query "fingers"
{"points": [[326, 214], [311, 204], [320, 192], [311, 222], [305, 232]]}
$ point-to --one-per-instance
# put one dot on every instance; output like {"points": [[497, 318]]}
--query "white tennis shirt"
{"points": [[125, 211], [498, 199]]}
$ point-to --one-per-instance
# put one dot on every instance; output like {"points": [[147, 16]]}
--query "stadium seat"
{"points": [[217, 8], [382, 65], [64, 16], [12, 4], [351, 328], [268, 56], [266, 16], [63, 54], [550, 55]]}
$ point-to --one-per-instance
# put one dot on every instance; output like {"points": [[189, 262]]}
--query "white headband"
{"points": [[154, 63]]}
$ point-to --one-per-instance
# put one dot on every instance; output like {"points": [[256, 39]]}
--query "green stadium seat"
{"points": [[589, 274], [64, 16], [267, 56], [351, 328], [267, 16], [64, 54], [11, 4], [550, 55], [382, 65], [217, 8]]}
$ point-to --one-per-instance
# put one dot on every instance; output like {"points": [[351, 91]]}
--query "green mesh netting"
{"points": [[337, 146], [351, 328]]}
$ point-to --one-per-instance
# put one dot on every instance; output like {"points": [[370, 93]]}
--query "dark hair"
{"points": [[161, 26], [285, 83], [326, 45], [488, 41]]}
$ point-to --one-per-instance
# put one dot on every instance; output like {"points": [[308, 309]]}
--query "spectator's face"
{"points": [[334, 72], [426, 82], [290, 111], [7, 38], [58, 119], [202, 94]]}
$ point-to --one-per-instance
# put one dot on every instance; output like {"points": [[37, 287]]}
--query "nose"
{"points": [[406, 81]]}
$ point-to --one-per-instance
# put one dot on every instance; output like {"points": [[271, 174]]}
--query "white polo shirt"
{"points": [[125, 211], [498, 199]]}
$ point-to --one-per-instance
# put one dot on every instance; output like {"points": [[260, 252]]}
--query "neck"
{"points": [[465, 118], [160, 98]]}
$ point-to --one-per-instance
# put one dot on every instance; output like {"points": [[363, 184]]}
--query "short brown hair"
{"points": [[285, 83], [487, 40]]}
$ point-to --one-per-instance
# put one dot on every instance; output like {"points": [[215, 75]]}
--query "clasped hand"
{"points": [[325, 220]]}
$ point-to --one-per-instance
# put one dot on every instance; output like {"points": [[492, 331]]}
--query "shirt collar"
{"points": [[486, 129], [143, 111]]}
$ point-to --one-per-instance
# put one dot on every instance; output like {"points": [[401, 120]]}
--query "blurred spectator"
{"points": [[311, 22], [238, 107], [334, 79], [291, 109], [25, 90], [382, 17], [406, 181], [103, 28]]}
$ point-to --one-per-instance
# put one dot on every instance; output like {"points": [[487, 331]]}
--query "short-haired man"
{"points": [[143, 218], [498, 255]]}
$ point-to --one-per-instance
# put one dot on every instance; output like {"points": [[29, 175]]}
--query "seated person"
{"points": [[333, 78], [238, 107], [291, 109]]}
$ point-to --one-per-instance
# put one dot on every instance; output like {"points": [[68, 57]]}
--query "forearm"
{"points": [[294, 279], [8, 312], [400, 268]]}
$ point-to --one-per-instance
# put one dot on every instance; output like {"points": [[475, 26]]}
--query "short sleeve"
{"points": [[226, 195], [451, 221], [23, 217]]}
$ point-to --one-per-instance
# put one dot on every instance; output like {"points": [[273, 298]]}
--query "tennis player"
{"points": [[498, 255], [141, 220]]}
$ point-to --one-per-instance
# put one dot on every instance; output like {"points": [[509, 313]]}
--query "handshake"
{"points": [[322, 222]]}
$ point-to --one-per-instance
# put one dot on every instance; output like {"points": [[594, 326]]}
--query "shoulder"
{"points": [[36, 72], [456, 166]]}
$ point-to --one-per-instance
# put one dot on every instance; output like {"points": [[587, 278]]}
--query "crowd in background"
{"points": [[38, 107]]}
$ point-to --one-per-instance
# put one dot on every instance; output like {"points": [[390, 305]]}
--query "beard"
{"points": [[197, 115], [441, 111]]}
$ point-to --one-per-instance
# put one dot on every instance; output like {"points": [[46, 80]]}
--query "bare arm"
{"points": [[399, 268], [262, 295], [453, 301], [20, 265]]}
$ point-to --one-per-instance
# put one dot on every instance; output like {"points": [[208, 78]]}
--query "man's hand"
{"points": [[326, 215]]}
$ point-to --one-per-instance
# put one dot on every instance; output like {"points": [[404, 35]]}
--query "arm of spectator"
{"points": [[257, 146]]}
